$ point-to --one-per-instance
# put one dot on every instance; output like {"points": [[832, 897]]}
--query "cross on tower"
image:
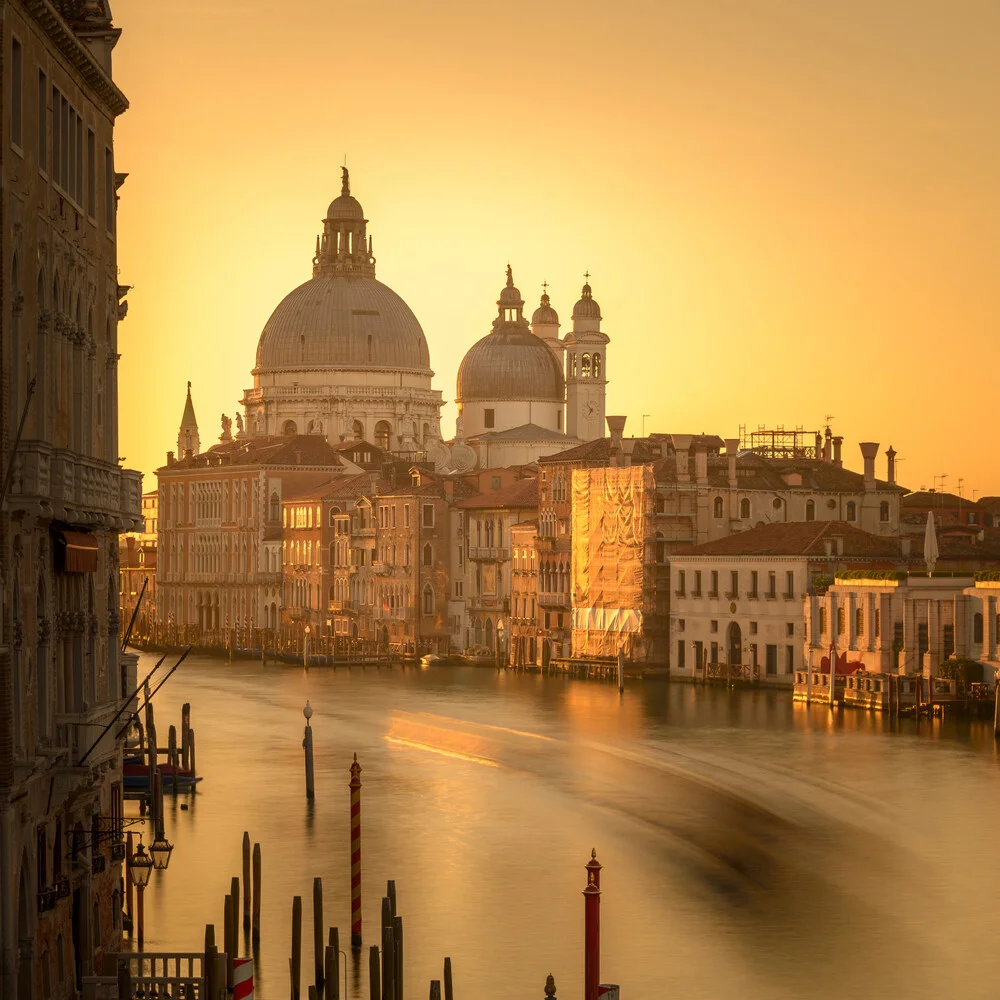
{"points": [[545, 287], [586, 276]]}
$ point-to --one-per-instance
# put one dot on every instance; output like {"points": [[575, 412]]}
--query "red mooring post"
{"points": [[355, 853], [592, 928]]}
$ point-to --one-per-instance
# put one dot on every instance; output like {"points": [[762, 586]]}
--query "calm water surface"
{"points": [[751, 847]]}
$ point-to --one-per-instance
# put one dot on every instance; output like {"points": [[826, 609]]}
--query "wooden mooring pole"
{"points": [[185, 730], [296, 947], [448, 991], [255, 917], [374, 984], [355, 786], [247, 895], [307, 743], [318, 956]]}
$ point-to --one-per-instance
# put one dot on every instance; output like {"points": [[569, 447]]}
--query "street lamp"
{"points": [[500, 660], [160, 851], [140, 869], [305, 648]]}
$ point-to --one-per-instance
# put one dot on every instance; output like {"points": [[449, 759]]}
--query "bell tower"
{"points": [[586, 369], [187, 437]]}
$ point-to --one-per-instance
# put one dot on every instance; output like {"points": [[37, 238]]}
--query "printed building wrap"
{"points": [[612, 539]]}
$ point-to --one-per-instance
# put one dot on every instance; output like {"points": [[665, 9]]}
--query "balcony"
{"points": [[490, 553], [341, 606], [553, 600], [86, 491], [365, 532]]}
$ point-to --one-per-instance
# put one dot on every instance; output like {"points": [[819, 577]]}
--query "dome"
{"points": [[587, 307], [510, 364], [346, 206], [545, 315], [337, 321]]}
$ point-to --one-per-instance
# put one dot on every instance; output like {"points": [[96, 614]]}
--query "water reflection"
{"points": [[752, 846]]}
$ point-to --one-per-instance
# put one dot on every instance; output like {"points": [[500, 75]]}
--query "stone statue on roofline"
{"points": [[227, 428]]}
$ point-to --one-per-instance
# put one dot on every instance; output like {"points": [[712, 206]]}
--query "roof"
{"points": [[525, 432], [522, 494], [599, 451], [800, 538], [932, 498], [270, 450]]}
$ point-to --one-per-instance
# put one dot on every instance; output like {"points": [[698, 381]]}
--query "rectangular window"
{"points": [[91, 174], [771, 660], [859, 621], [878, 623], [714, 592], [78, 141], [16, 93], [489, 417], [681, 624], [406, 515], [772, 585], [680, 654], [393, 509], [495, 482], [697, 584], [109, 190], [56, 140], [789, 659], [789, 585], [822, 621], [458, 588], [64, 133], [699, 655], [713, 625], [734, 583], [715, 653], [428, 518], [558, 420], [680, 583], [43, 93], [753, 583], [789, 628], [753, 628]]}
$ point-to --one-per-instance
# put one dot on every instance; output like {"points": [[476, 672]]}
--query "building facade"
{"points": [[62, 677]]}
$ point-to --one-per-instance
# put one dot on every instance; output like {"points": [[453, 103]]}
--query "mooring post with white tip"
{"points": [[307, 742]]}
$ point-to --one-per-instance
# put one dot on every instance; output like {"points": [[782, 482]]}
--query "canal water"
{"points": [[751, 847]]}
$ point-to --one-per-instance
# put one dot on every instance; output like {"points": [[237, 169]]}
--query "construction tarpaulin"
{"points": [[612, 540]]}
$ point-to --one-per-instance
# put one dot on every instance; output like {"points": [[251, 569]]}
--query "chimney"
{"points": [[838, 544], [682, 452], [837, 460], [188, 453], [701, 464], [819, 446], [890, 475], [904, 546], [617, 427], [170, 458], [732, 444], [828, 446], [828, 546], [869, 449]]}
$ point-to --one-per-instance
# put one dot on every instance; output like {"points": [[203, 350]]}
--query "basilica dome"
{"points": [[335, 321], [343, 317], [510, 363]]}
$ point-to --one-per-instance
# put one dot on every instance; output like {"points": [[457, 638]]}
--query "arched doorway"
{"points": [[734, 642], [289, 428]]}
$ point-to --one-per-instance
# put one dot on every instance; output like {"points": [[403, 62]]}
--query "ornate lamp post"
{"points": [[140, 869]]}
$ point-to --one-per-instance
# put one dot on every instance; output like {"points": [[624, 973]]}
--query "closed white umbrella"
{"points": [[931, 551]]}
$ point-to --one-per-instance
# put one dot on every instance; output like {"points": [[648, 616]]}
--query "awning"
{"points": [[79, 552]]}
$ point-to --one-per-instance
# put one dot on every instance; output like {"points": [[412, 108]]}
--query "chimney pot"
{"points": [[837, 444], [170, 458], [869, 449], [682, 452], [732, 446], [828, 546]]}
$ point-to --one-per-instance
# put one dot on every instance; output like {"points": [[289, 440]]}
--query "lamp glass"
{"points": [[140, 867], [160, 851]]}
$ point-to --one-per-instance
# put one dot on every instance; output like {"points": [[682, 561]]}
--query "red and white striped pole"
{"points": [[355, 853], [592, 928], [242, 979]]}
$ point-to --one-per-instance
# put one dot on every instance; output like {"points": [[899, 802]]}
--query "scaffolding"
{"points": [[777, 442]]}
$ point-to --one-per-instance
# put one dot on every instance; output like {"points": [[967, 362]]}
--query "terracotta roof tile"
{"points": [[800, 538]]}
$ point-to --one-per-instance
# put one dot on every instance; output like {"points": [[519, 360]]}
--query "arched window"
{"points": [[382, 432], [810, 510], [289, 428], [428, 555], [358, 431], [717, 507], [572, 365], [745, 509], [852, 510], [428, 600], [597, 366], [977, 627], [883, 510], [585, 366]]}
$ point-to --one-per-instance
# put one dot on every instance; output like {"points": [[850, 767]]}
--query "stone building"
{"points": [[738, 601], [343, 356], [62, 677], [526, 632]]}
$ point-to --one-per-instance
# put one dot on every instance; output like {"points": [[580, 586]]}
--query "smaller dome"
{"points": [[510, 297], [587, 307], [545, 315], [346, 207]]}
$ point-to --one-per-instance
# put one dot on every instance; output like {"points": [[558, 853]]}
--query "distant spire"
{"points": [[345, 186], [187, 437]]}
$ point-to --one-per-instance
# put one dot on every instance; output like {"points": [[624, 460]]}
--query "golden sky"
{"points": [[789, 208]]}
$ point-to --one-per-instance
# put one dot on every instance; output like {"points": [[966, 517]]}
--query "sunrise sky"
{"points": [[789, 209]]}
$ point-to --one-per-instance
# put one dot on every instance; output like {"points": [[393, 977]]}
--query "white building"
{"points": [[343, 355], [738, 601]]}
